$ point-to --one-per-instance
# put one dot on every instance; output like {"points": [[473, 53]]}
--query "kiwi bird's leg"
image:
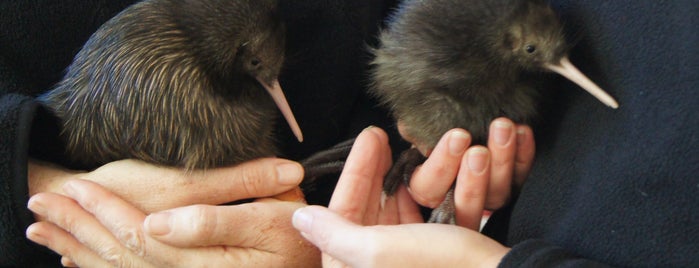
{"points": [[402, 170], [446, 211], [568, 70], [275, 90], [326, 162]]}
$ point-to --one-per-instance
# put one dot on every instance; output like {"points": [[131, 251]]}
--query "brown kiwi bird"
{"points": [[189, 83], [444, 64]]}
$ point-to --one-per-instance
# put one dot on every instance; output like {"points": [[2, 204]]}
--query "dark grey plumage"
{"points": [[444, 64], [176, 82]]}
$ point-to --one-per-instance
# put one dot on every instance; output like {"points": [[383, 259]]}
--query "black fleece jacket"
{"points": [[609, 187]]}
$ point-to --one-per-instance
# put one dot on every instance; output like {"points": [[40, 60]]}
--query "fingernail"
{"points": [[302, 220], [289, 173], [33, 235], [67, 262], [458, 142], [477, 159], [521, 133], [158, 223], [503, 131], [36, 206]]}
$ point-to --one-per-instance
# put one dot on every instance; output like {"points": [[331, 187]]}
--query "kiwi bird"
{"points": [[176, 82], [444, 64]]}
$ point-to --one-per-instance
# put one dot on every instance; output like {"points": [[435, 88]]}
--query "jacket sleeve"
{"points": [[538, 253], [16, 116]]}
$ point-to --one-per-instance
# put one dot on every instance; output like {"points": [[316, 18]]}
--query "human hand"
{"points": [[490, 171], [92, 227], [348, 244], [153, 188], [356, 240]]}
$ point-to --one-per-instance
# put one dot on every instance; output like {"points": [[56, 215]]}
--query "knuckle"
{"points": [[440, 169], [203, 222], [253, 179], [322, 238], [133, 240], [115, 256], [473, 194], [430, 201], [67, 222]]}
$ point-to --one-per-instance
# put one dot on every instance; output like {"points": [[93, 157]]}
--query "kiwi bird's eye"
{"points": [[255, 62], [530, 49]]}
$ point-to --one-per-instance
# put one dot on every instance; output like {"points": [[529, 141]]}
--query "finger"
{"points": [[293, 195], [252, 179], [355, 187], [472, 187], [205, 225], [375, 211], [524, 158], [408, 210], [433, 179], [502, 145], [87, 230], [67, 262], [63, 243], [389, 213], [376, 246], [169, 187], [122, 222], [333, 234], [126, 223]]}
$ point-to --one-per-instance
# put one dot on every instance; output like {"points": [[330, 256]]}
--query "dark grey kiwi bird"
{"points": [[446, 64], [176, 82]]}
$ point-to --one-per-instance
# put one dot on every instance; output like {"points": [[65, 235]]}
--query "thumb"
{"points": [[252, 179], [257, 178], [332, 234], [155, 188], [396, 245]]}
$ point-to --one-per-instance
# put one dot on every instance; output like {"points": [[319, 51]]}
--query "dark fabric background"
{"points": [[618, 187], [323, 78]]}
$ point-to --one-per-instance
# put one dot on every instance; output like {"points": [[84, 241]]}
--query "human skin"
{"points": [[361, 180], [355, 231], [128, 190]]}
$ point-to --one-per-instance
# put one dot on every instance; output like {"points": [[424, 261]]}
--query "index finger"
{"points": [[256, 178], [430, 182], [361, 179]]}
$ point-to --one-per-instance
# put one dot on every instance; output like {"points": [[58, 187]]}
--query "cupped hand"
{"points": [[360, 229], [92, 227], [347, 244], [141, 188], [490, 171], [153, 188]]}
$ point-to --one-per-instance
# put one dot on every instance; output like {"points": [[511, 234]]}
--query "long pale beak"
{"points": [[568, 70], [275, 90]]}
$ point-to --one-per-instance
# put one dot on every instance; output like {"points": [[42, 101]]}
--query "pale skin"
{"points": [[131, 189], [355, 208], [354, 231]]}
